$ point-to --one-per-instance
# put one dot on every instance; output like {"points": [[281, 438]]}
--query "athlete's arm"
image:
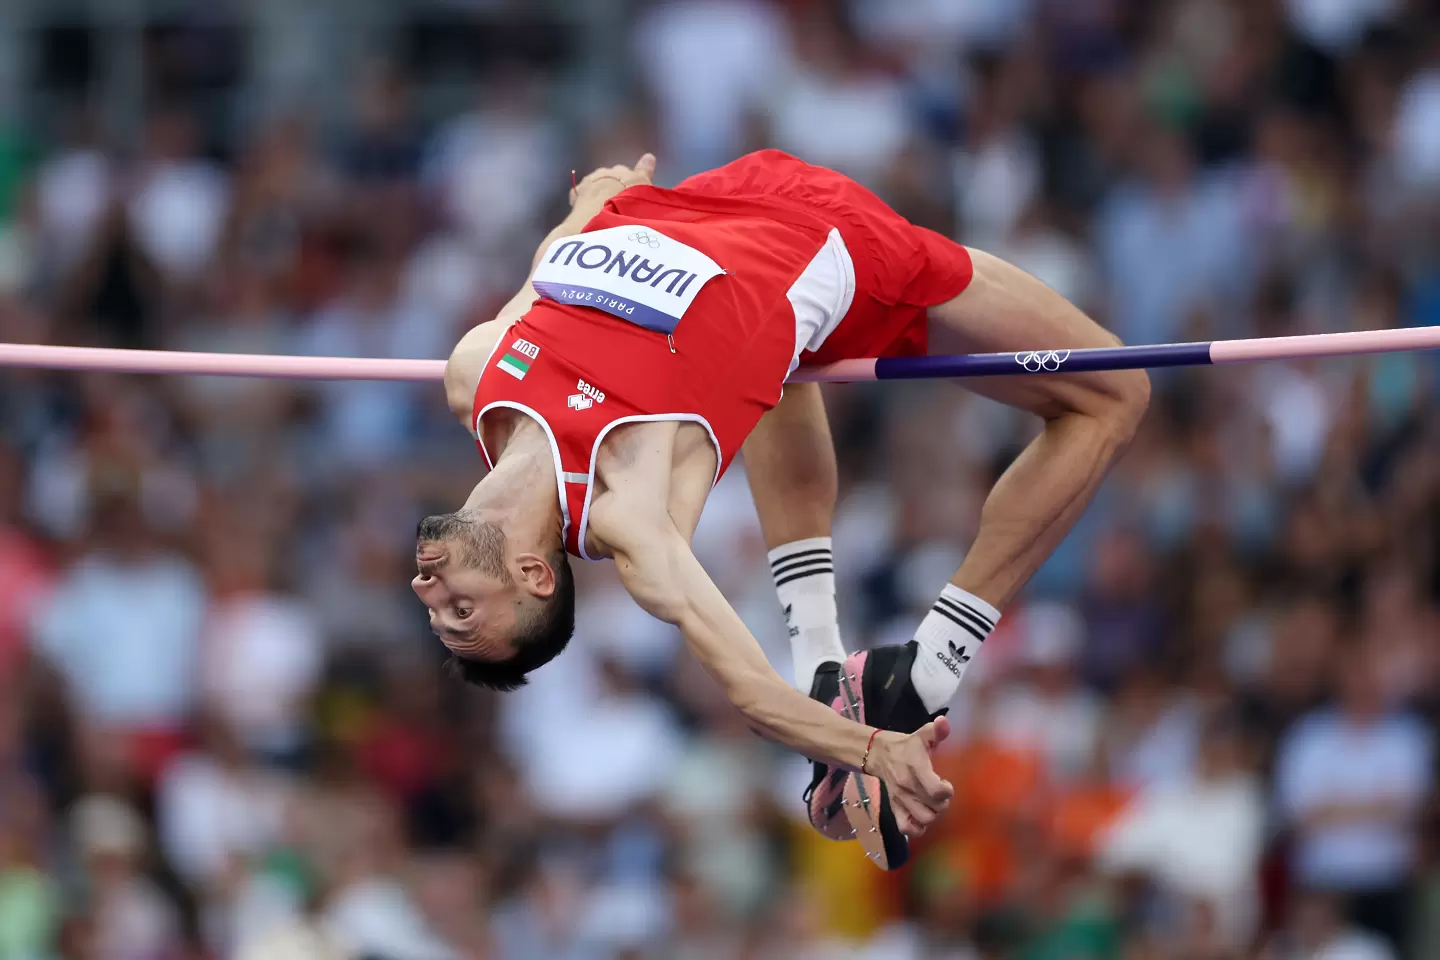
{"points": [[467, 360], [661, 573]]}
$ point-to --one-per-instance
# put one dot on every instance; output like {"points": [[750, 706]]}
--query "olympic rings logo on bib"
{"points": [[643, 236], [1042, 361], [633, 272]]}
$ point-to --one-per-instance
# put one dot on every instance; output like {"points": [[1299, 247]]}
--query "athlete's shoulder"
{"points": [[467, 363]]}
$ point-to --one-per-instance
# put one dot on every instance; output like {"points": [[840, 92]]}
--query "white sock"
{"points": [[949, 636], [804, 573]]}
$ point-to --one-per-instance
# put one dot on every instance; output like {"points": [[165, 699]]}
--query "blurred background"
{"points": [[1205, 733]]}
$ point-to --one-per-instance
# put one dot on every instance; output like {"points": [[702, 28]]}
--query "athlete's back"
{"points": [[667, 308], [695, 304]]}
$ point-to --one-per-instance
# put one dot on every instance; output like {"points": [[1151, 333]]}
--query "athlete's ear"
{"points": [[645, 166], [534, 575]]}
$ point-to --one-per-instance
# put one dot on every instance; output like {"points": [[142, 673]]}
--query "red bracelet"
{"points": [[869, 743]]}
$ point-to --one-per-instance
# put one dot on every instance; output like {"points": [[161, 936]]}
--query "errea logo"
{"points": [[586, 398]]}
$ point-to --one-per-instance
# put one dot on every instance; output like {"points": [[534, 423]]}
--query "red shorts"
{"points": [[900, 269]]}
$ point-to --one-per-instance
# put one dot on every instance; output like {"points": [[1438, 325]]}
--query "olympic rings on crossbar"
{"points": [[1038, 361]]}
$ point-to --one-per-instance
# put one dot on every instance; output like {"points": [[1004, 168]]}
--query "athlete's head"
{"points": [[501, 610]]}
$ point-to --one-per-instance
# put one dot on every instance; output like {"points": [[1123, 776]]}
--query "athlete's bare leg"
{"points": [[790, 462], [1089, 420]]}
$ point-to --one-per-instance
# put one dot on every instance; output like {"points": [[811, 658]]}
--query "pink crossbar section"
{"points": [[1325, 345], [218, 364], [842, 371], [299, 368]]}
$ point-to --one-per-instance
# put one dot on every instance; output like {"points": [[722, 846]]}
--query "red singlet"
{"points": [[695, 304]]}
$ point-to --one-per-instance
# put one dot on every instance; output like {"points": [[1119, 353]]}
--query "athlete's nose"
{"points": [[423, 584]]}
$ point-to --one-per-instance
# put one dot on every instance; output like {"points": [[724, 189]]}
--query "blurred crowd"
{"points": [[1205, 733]]}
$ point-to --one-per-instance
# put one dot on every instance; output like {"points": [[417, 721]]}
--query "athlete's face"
{"points": [[463, 581]]}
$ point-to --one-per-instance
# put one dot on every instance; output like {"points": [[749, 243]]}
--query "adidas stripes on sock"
{"points": [[804, 573], [949, 636]]}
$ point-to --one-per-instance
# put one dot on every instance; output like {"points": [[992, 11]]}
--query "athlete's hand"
{"points": [[600, 185], [917, 794]]}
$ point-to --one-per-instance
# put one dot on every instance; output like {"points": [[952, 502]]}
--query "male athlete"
{"points": [[650, 343]]}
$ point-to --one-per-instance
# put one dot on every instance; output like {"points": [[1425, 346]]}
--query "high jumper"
{"points": [[650, 344]]}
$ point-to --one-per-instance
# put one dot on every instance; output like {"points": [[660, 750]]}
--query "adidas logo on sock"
{"points": [[794, 630], [957, 657]]}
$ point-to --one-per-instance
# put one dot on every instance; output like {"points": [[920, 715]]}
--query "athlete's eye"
{"points": [[462, 612]]}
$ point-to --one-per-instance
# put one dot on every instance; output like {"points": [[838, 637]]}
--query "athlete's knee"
{"points": [[1125, 396], [1132, 392]]}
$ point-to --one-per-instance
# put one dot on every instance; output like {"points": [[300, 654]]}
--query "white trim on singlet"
{"points": [[554, 451], [821, 296], [638, 418]]}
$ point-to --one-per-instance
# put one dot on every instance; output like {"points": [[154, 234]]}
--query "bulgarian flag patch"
{"points": [[514, 365]]}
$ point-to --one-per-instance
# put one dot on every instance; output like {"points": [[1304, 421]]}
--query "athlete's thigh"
{"points": [[1006, 310]]}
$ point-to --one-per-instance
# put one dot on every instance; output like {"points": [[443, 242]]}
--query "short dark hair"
{"points": [[540, 639]]}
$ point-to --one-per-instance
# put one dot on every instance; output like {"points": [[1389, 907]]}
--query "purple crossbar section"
{"points": [[1005, 364], [1348, 343]]}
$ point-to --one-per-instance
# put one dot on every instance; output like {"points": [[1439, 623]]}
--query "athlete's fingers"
{"points": [[927, 782], [923, 814], [908, 825], [934, 733], [906, 811], [935, 791], [918, 815], [645, 166], [617, 172], [916, 788]]}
